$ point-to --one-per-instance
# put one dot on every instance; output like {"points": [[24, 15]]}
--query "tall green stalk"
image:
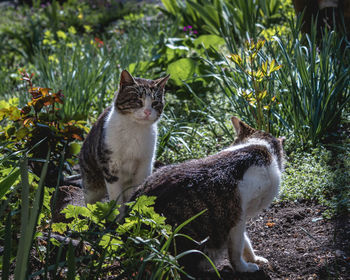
{"points": [[29, 218]]}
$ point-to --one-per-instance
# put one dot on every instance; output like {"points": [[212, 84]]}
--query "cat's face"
{"points": [[140, 99]]}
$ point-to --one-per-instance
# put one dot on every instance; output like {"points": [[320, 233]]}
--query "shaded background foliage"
{"points": [[259, 60]]}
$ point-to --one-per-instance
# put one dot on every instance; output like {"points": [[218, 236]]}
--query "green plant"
{"points": [[232, 20], [315, 78], [258, 75], [137, 247], [82, 71], [39, 128], [249, 86], [320, 175], [29, 210]]}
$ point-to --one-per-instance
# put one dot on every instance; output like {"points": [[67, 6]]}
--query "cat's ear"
{"points": [[162, 81], [241, 127], [281, 140], [126, 79]]}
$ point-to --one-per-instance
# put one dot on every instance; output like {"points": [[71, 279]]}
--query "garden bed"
{"points": [[299, 244]]}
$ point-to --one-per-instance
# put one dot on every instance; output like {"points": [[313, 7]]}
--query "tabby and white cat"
{"points": [[233, 185], [118, 152]]}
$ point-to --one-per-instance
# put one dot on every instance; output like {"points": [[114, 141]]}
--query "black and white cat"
{"points": [[233, 185], [118, 152]]}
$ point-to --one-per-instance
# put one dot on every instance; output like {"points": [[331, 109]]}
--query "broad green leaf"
{"points": [[22, 132], [59, 227], [106, 210], [181, 70], [74, 148], [109, 240], [73, 211], [210, 41]]}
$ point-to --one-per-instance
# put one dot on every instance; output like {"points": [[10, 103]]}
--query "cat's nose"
{"points": [[147, 112]]}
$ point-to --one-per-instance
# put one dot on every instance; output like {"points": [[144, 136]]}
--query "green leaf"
{"points": [[71, 262], [105, 210], [55, 242], [7, 249], [22, 132], [73, 211], [29, 217], [209, 41], [144, 201], [74, 148], [8, 182], [109, 240], [181, 70], [171, 6], [59, 227]]}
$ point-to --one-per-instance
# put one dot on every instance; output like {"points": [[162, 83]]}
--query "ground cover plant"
{"points": [[243, 58]]}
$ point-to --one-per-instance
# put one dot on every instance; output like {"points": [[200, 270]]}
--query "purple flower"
{"points": [[185, 28], [189, 26]]}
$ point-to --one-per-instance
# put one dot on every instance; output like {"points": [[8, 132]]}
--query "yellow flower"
{"points": [[88, 28], [47, 34], [71, 45], [80, 16], [48, 38], [61, 35], [53, 58], [72, 30]]}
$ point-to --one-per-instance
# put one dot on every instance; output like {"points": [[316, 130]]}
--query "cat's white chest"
{"points": [[132, 145], [258, 187]]}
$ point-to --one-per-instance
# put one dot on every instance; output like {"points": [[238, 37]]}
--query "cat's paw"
{"points": [[246, 267], [260, 260]]}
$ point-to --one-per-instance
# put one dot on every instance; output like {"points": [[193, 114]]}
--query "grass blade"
{"points": [[71, 262], [29, 217], [7, 249], [7, 183]]}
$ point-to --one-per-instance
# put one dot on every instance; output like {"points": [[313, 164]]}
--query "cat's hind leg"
{"points": [[236, 244], [248, 252]]}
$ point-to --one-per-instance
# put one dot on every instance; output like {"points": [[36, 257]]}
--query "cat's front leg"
{"points": [[115, 191], [248, 252], [236, 244]]}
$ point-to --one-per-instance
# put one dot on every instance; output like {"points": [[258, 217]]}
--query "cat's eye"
{"points": [[139, 102], [155, 103]]}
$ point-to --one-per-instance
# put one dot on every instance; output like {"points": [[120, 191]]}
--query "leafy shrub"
{"points": [[257, 72], [232, 20], [136, 248], [249, 85], [38, 128]]}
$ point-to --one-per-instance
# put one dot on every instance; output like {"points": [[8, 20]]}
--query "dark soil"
{"points": [[298, 242]]}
